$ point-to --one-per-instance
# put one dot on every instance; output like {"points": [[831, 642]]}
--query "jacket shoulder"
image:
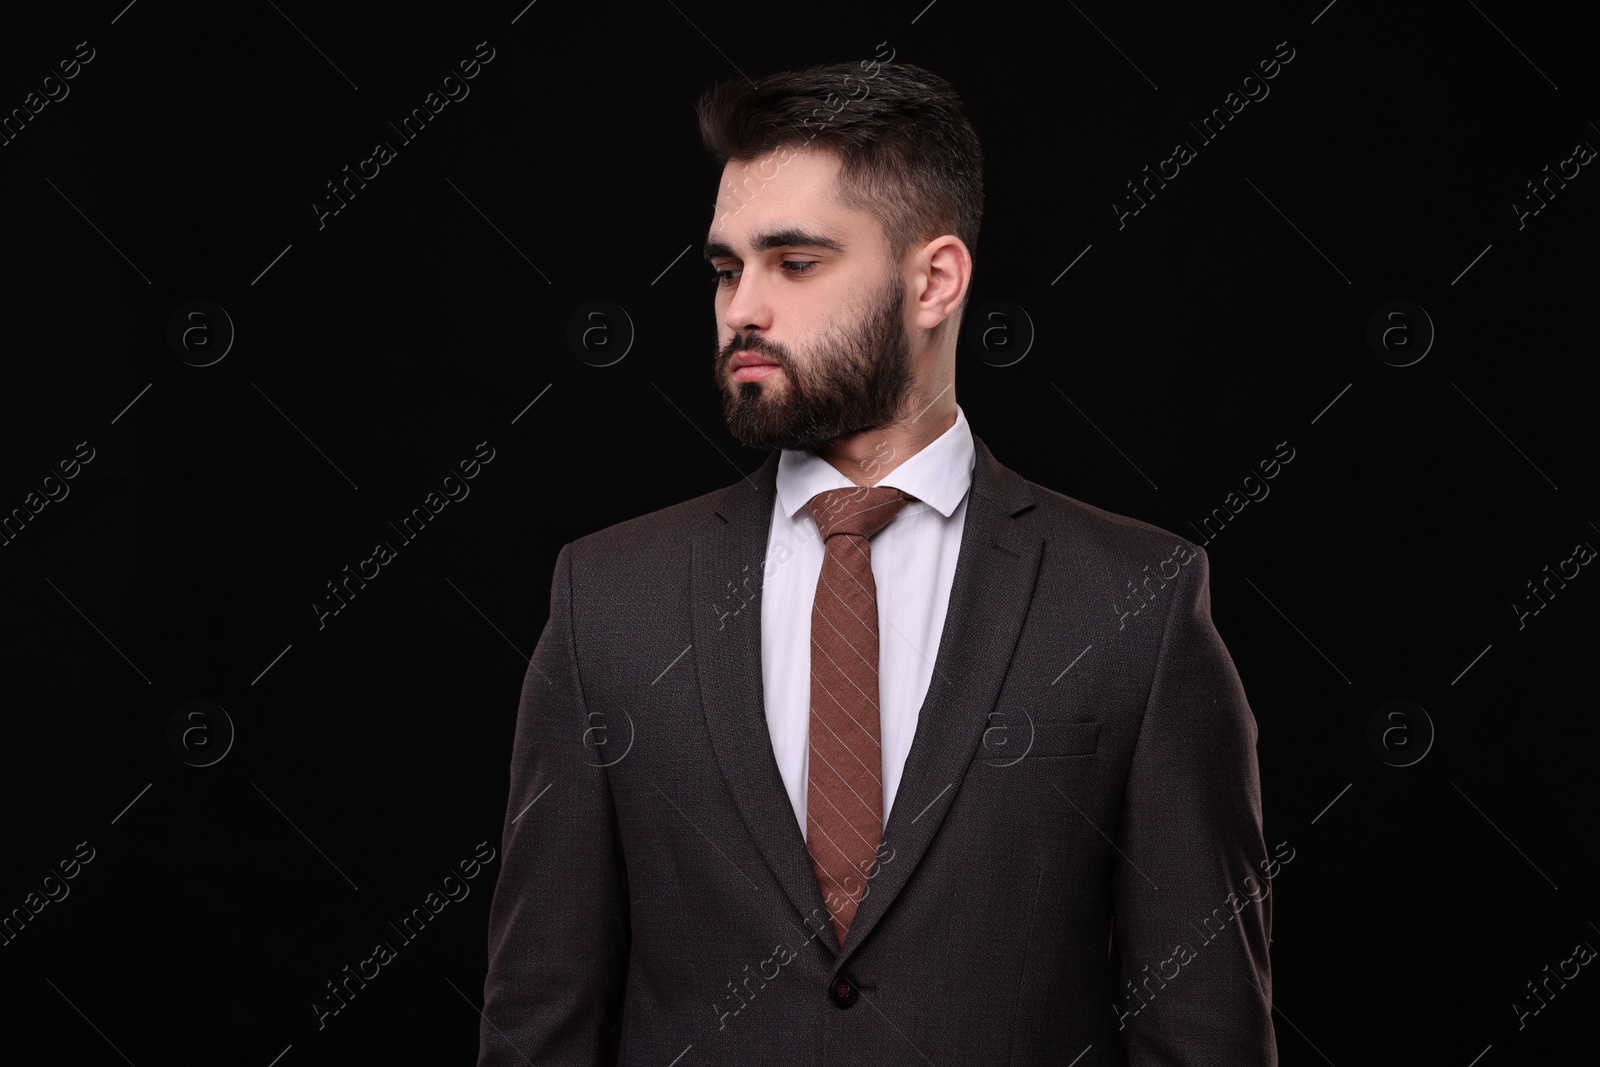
{"points": [[663, 534], [1096, 535]]}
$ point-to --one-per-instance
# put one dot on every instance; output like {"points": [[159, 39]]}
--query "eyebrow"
{"points": [[788, 237]]}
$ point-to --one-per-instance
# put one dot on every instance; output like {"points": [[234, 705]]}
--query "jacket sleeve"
{"points": [[558, 921], [1191, 982]]}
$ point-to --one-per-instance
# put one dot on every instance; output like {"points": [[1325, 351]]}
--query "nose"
{"points": [[748, 310]]}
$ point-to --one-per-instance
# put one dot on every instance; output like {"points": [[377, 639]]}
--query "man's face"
{"points": [[804, 285]]}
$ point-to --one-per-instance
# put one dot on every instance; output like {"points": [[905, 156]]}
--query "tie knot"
{"points": [[858, 510]]}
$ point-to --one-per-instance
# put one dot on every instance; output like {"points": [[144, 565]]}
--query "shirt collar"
{"points": [[939, 475]]}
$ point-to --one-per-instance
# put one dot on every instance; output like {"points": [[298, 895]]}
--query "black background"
{"points": [[374, 353]]}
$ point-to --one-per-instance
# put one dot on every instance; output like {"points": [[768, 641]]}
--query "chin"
{"points": [[751, 392]]}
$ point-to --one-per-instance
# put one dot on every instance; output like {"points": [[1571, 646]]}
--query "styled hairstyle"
{"points": [[909, 157]]}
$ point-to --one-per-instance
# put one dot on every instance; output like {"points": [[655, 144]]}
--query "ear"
{"points": [[943, 271]]}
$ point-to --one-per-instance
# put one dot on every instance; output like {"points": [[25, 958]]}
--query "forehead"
{"points": [[788, 190]]}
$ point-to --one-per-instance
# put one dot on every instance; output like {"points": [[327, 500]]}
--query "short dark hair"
{"points": [[908, 154]]}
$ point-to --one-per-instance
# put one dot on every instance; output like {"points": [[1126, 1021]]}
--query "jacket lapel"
{"points": [[727, 656], [989, 598]]}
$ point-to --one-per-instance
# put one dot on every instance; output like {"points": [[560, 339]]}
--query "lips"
{"points": [[749, 359]]}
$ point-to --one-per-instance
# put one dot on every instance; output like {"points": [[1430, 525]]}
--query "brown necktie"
{"points": [[844, 777]]}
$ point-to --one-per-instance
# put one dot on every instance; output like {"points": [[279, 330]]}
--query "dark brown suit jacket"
{"points": [[1073, 869]]}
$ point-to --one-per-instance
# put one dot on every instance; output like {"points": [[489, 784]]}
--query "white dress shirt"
{"points": [[913, 566]]}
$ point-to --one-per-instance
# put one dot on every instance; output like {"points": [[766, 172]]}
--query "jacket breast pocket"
{"points": [[1038, 738]]}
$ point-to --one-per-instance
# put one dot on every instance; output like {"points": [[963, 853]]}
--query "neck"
{"points": [[866, 458]]}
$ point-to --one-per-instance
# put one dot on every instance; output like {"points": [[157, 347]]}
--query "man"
{"points": [[848, 763]]}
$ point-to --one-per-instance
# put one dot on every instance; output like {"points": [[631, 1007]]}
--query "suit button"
{"points": [[842, 992]]}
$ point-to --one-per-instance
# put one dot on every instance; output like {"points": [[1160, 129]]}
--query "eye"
{"points": [[802, 267]]}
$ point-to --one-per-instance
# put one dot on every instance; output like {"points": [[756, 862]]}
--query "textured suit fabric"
{"points": [[1081, 796]]}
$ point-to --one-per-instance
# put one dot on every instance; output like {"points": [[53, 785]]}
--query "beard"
{"points": [[853, 380]]}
